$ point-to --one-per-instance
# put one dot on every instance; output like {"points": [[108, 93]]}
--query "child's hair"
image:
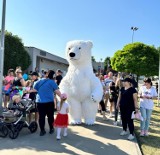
{"points": [[16, 97], [61, 103], [63, 98]]}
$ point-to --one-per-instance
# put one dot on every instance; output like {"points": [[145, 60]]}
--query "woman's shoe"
{"points": [[146, 133], [104, 116], [42, 133], [142, 133], [123, 133], [51, 131], [130, 137], [115, 123]]}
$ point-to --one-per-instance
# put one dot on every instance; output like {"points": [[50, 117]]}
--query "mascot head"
{"points": [[79, 52]]}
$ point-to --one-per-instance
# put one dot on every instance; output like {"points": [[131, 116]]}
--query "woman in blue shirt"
{"points": [[45, 101]]}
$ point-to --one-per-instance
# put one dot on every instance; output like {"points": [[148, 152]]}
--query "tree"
{"points": [[93, 59], [15, 53], [136, 58], [107, 62]]}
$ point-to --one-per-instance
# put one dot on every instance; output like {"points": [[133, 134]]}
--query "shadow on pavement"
{"points": [[76, 143]]}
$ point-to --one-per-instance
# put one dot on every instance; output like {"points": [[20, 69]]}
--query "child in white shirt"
{"points": [[61, 120]]}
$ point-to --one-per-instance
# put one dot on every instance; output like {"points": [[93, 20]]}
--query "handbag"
{"points": [[137, 116]]}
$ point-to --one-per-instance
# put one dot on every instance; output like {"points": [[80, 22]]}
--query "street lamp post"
{"points": [[133, 29], [2, 48]]}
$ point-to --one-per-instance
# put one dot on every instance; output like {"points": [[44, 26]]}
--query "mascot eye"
{"points": [[79, 48], [69, 48]]}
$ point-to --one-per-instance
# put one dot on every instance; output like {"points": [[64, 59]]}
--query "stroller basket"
{"points": [[14, 120], [9, 117]]}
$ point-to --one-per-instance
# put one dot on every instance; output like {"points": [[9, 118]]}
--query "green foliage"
{"points": [[15, 53], [93, 59], [107, 62], [136, 58]]}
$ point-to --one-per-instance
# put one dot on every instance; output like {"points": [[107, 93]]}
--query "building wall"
{"points": [[45, 61], [98, 65]]}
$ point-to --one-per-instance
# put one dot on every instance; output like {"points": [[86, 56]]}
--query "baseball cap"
{"points": [[34, 73], [63, 96]]}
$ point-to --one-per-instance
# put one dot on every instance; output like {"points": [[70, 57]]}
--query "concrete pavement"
{"points": [[101, 139]]}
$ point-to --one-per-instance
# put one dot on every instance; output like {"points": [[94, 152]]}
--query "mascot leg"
{"points": [[89, 109], [75, 111]]}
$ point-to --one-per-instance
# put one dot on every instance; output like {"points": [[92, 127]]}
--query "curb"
{"points": [[139, 152]]}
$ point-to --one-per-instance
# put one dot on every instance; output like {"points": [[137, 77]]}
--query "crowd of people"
{"points": [[40, 88], [120, 98], [121, 95]]}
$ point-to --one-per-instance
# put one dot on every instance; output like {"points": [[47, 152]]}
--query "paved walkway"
{"points": [[101, 139]]}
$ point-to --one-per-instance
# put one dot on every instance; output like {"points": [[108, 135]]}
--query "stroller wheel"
{"points": [[13, 133], [4, 131], [33, 127]]}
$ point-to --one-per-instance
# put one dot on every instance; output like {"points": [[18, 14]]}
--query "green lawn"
{"points": [[150, 145]]}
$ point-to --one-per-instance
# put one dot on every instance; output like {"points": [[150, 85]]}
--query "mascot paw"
{"points": [[75, 122], [89, 122]]}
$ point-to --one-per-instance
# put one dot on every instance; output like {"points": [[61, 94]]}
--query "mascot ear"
{"points": [[89, 43]]}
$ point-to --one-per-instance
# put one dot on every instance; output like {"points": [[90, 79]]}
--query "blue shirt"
{"points": [[45, 89]]}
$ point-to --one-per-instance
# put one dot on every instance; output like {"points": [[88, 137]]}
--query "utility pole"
{"points": [[133, 29], [2, 48], [159, 83]]}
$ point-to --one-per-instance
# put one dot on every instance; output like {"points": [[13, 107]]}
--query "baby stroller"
{"points": [[14, 120]]}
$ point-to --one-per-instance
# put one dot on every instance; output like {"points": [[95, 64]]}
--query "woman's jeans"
{"points": [[146, 114]]}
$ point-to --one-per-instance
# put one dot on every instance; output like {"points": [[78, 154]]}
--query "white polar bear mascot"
{"points": [[83, 88]]}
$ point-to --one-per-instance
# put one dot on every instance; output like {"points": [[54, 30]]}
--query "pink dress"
{"points": [[62, 120]]}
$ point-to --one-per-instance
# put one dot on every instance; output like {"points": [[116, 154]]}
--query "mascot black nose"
{"points": [[72, 54]]}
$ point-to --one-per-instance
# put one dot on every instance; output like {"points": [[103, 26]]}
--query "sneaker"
{"points": [[65, 134], [42, 133], [110, 115], [51, 131], [5, 109], [142, 133], [130, 137], [115, 123], [58, 137], [146, 133], [123, 133], [105, 118]]}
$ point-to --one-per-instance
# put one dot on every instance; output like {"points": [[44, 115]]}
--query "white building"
{"points": [[98, 66], [45, 61]]}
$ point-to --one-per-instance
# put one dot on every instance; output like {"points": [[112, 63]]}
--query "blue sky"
{"points": [[50, 24]]}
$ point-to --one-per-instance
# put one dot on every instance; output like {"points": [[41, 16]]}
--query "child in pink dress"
{"points": [[61, 120]]}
